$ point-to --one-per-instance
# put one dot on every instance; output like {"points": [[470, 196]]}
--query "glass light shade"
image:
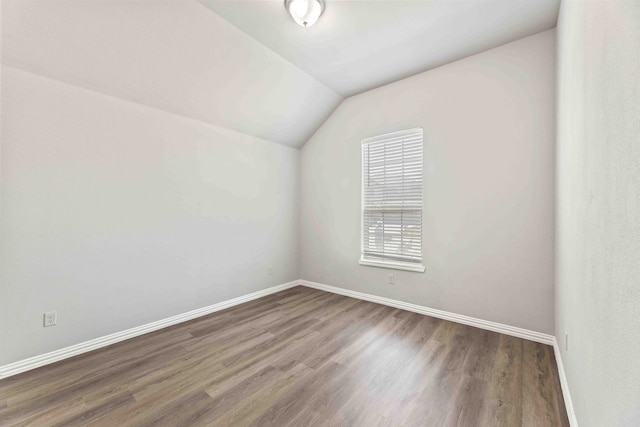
{"points": [[304, 12]]}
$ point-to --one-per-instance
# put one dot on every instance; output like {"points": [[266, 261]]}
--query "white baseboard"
{"points": [[84, 347], [458, 318], [573, 421], [471, 321], [74, 350]]}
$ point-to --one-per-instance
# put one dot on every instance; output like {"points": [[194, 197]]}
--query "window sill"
{"points": [[419, 268]]}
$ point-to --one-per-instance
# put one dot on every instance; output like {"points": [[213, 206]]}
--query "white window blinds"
{"points": [[392, 199]]}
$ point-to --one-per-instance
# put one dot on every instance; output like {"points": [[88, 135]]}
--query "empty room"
{"points": [[320, 213]]}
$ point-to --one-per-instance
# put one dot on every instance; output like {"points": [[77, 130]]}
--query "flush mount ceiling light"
{"points": [[304, 12]]}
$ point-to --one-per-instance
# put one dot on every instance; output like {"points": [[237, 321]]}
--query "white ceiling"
{"points": [[244, 64], [171, 55], [359, 45]]}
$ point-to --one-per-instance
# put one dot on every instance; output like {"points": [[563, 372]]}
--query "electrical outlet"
{"points": [[566, 341], [50, 318], [271, 270], [390, 279]]}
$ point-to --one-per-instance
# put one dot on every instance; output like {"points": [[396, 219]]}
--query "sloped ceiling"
{"points": [[176, 56], [244, 64], [359, 45]]}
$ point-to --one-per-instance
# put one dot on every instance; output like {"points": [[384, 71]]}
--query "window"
{"points": [[392, 200]]}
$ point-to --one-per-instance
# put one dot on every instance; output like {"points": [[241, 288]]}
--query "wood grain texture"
{"points": [[301, 357]]}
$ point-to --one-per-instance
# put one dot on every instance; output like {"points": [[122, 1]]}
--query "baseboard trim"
{"points": [[458, 318], [466, 320], [94, 344], [564, 385]]}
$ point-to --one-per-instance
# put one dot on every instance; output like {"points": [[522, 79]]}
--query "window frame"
{"points": [[382, 262]]}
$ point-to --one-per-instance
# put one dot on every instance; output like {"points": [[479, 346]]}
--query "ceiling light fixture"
{"points": [[304, 12]]}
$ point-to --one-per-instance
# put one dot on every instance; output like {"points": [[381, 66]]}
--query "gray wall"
{"points": [[116, 214], [489, 126], [2, 313], [598, 209]]}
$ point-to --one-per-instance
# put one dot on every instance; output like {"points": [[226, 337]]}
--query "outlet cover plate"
{"points": [[50, 318]]}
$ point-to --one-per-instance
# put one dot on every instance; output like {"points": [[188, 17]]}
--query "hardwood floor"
{"points": [[301, 357]]}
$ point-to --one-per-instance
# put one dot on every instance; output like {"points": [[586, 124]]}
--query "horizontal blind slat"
{"points": [[392, 196]]}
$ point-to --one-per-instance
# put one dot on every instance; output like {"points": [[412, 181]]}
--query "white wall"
{"points": [[489, 126], [116, 214], [598, 208], [2, 313]]}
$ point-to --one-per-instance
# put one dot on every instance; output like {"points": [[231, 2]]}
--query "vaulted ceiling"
{"points": [[359, 45], [245, 65], [177, 56]]}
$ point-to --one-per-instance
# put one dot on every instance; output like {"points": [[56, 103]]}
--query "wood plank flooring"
{"points": [[301, 357]]}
